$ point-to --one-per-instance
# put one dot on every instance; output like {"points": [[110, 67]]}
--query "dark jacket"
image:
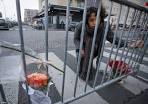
{"points": [[88, 37], [87, 43]]}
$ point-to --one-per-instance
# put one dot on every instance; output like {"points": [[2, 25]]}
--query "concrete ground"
{"points": [[129, 90]]}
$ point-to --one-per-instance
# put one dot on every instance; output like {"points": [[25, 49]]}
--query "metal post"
{"points": [[46, 28], [141, 58], [141, 53], [66, 46], [104, 73], [118, 45], [46, 37], [114, 40], [120, 41], [22, 43], [102, 48], [131, 4], [141, 33], [128, 33], [130, 28], [142, 26], [81, 45], [3, 94], [115, 35], [93, 45], [144, 49], [133, 36]]}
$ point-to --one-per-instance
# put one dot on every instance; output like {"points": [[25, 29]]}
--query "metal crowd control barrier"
{"points": [[139, 13]]}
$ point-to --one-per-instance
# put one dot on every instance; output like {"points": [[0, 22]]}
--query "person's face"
{"points": [[92, 21]]}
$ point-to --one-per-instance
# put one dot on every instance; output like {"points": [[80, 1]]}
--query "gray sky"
{"points": [[8, 8]]}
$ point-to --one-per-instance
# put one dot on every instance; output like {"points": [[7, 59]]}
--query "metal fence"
{"points": [[140, 15], [139, 20]]}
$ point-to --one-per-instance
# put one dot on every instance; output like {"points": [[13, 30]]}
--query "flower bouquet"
{"points": [[38, 80], [38, 77], [118, 67]]}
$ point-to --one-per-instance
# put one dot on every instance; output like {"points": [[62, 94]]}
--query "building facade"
{"points": [[29, 14], [59, 8], [60, 5], [74, 3]]}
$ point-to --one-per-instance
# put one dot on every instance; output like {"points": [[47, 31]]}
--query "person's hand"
{"points": [[140, 43], [82, 53], [136, 44]]}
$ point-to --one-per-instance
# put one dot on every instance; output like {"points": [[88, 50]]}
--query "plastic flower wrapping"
{"points": [[37, 77], [119, 66]]}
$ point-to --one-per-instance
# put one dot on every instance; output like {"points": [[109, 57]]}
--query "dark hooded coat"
{"points": [[87, 43]]}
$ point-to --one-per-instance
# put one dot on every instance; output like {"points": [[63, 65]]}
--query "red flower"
{"points": [[37, 80], [119, 65]]}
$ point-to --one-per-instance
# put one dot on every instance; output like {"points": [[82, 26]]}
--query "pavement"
{"points": [[130, 91]]}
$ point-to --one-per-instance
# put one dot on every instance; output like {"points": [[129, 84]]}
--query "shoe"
{"points": [[83, 76]]}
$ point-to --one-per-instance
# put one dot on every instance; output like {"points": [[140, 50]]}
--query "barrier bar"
{"points": [[66, 46], [124, 24], [131, 4], [102, 48], [93, 45], [81, 44], [22, 43]]}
